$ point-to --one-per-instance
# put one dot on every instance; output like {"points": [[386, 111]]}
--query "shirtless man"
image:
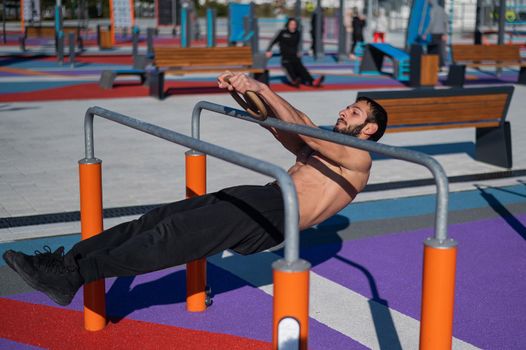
{"points": [[246, 219]]}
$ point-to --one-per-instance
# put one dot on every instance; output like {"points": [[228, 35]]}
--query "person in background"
{"points": [[358, 24], [438, 28], [288, 40], [380, 26]]}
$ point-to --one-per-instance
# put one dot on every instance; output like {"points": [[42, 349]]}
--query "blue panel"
{"points": [[237, 12], [391, 51], [418, 21]]}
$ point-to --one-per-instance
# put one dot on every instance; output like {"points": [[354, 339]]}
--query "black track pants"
{"points": [[246, 219]]}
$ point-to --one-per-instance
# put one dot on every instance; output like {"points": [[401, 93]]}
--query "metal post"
{"points": [[254, 29], [3, 22], [255, 36], [368, 28], [60, 47], [71, 49], [211, 27], [90, 172], [318, 33], [502, 21], [297, 15], [150, 32], [174, 17], [59, 33], [185, 27], [342, 34], [477, 37], [135, 43]]}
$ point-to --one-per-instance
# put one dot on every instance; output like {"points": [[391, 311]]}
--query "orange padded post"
{"points": [[112, 24], [438, 293], [291, 300], [195, 270], [90, 171]]}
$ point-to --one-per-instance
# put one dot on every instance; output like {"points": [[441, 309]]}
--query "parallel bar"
{"points": [[283, 178], [395, 152]]}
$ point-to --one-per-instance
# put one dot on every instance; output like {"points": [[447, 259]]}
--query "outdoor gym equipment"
{"points": [[439, 265], [291, 274]]}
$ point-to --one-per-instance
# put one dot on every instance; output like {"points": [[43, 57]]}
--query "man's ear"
{"points": [[370, 129]]}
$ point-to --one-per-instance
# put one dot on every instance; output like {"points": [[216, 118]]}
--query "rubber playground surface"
{"points": [[42, 78], [365, 286]]}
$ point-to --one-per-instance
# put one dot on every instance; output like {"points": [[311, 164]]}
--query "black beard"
{"points": [[352, 132]]}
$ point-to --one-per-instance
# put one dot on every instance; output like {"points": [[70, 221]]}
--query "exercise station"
{"points": [[286, 175]]}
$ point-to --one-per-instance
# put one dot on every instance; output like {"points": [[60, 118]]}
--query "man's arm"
{"points": [[346, 156], [292, 142], [276, 38]]}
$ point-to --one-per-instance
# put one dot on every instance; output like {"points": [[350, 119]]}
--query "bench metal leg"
{"points": [[22, 41], [522, 76], [456, 75], [372, 60], [107, 78], [156, 83], [494, 146], [262, 77]]}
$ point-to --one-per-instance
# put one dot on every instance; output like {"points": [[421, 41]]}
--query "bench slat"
{"points": [[173, 71], [206, 59], [444, 126], [465, 52], [446, 109]]}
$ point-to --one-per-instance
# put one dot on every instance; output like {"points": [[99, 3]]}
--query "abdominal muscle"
{"points": [[323, 188]]}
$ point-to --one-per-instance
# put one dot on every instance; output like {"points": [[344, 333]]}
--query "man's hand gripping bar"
{"points": [[251, 103]]}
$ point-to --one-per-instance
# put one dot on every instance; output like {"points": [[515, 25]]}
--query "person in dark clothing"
{"points": [[247, 219], [358, 24], [288, 40], [438, 28]]}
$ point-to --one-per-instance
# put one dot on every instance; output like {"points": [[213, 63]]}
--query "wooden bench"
{"points": [[48, 32], [478, 56], [484, 109], [182, 61]]}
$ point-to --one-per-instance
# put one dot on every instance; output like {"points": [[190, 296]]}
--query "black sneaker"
{"points": [[47, 272], [318, 81], [296, 83]]}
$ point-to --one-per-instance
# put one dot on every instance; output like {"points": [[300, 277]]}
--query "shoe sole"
{"points": [[32, 284]]}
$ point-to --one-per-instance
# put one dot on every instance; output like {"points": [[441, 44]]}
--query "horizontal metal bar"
{"points": [[392, 151], [284, 180]]}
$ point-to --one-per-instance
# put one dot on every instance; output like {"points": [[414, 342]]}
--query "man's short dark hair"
{"points": [[377, 115]]}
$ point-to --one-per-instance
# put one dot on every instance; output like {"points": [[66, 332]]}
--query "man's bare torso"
{"points": [[323, 187]]}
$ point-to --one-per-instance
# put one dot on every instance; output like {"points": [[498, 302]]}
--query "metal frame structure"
{"points": [[439, 265], [289, 274], [392, 151], [263, 167]]}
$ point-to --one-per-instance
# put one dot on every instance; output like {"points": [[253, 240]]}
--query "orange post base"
{"points": [[94, 306], [195, 286], [291, 300]]}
